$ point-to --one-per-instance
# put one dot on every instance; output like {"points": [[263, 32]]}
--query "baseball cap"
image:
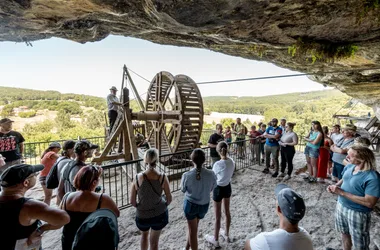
{"points": [[291, 203], [55, 145], [84, 145], [350, 127], [18, 173], [5, 120], [113, 88]]}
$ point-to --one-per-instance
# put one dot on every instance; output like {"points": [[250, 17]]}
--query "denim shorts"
{"points": [[337, 170], [193, 210], [156, 223], [220, 193], [311, 152]]}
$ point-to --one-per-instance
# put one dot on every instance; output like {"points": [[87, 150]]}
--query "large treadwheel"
{"points": [[177, 96]]}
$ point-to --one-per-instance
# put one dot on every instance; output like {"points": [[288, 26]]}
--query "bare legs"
{"points": [[151, 239], [192, 238], [48, 194], [226, 206], [218, 215], [314, 163], [347, 243]]}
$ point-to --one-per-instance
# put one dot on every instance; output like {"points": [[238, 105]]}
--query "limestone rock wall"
{"points": [[302, 35]]}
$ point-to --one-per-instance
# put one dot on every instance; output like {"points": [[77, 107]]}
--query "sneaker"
{"points": [[306, 178], [266, 171], [281, 175], [287, 177], [222, 233], [275, 175], [211, 239], [312, 179]]}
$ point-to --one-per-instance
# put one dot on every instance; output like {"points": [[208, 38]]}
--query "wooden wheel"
{"points": [[178, 97]]}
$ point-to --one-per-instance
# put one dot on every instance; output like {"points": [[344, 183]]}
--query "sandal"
{"points": [[222, 233]]}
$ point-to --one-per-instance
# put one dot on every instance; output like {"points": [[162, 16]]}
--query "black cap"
{"points": [[5, 120], [18, 173], [291, 203], [84, 145]]}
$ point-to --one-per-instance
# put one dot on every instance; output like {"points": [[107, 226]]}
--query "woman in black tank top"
{"points": [[83, 202]]}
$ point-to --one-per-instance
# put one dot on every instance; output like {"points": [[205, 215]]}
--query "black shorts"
{"points": [[220, 193], [156, 223]]}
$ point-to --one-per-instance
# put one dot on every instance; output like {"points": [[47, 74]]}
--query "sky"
{"points": [[92, 68]]}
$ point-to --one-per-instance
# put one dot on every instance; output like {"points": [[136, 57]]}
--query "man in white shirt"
{"points": [[291, 209]]}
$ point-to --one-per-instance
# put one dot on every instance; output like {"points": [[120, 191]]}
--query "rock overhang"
{"points": [[310, 36]]}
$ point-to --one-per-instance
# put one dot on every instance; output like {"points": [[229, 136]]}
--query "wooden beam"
{"points": [[109, 144], [138, 98]]}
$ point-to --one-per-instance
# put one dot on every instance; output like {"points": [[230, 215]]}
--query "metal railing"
{"points": [[34, 150], [117, 178]]}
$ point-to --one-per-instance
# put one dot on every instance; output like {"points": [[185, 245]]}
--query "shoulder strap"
{"points": [[137, 180], [100, 201], [163, 179], [154, 190]]}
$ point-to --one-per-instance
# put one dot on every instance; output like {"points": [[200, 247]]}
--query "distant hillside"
{"points": [[258, 105], [301, 108]]}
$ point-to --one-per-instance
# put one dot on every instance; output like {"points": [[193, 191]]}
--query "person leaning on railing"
{"points": [[152, 209]]}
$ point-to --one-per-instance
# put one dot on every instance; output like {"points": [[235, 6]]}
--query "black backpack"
{"points": [[52, 179], [98, 231]]}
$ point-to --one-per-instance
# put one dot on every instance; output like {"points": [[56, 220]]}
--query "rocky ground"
{"points": [[253, 211]]}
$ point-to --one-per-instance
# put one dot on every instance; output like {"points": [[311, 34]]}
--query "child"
{"points": [[262, 129], [254, 143], [197, 185], [223, 169], [228, 135]]}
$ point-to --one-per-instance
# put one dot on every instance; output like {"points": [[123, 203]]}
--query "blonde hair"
{"points": [[150, 157], [365, 155]]}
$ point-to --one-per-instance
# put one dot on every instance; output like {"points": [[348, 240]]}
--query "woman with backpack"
{"points": [[48, 158], [223, 169], [80, 204], [197, 185], [151, 208]]}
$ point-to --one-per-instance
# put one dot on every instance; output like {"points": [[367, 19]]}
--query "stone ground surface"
{"points": [[253, 211]]}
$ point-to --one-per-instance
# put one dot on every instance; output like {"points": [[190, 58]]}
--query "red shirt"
{"points": [[48, 162], [253, 135]]}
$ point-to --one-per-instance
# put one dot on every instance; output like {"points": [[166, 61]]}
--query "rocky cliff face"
{"points": [[313, 36]]}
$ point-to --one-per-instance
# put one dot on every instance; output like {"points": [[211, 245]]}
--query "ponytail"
{"points": [[45, 152], [222, 148], [198, 157]]}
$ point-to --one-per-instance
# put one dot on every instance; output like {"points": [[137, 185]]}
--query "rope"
{"points": [[272, 77]]}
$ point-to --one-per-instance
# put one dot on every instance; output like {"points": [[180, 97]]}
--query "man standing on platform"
{"points": [[11, 144], [112, 103]]}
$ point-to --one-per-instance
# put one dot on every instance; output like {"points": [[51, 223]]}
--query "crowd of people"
{"points": [[355, 181]]}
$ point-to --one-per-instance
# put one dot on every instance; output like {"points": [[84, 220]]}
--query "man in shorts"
{"points": [[290, 209], [272, 134], [240, 137]]}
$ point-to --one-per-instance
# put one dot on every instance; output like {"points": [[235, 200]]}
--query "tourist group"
{"points": [[89, 217]]}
